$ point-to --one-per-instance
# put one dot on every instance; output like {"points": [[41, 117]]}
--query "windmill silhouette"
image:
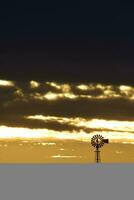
{"points": [[98, 141]]}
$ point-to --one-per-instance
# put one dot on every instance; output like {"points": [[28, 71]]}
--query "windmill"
{"points": [[98, 141]]}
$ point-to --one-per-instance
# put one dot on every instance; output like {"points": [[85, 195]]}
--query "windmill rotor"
{"points": [[97, 141]]}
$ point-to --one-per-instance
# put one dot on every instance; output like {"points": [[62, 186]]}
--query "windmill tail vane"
{"points": [[106, 141]]}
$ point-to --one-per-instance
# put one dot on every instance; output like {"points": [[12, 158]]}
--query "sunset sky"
{"points": [[66, 110], [66, 74]]}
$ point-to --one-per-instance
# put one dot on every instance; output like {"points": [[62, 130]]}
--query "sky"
{"points": [[91, 41], [66, 70], [66, 110]]}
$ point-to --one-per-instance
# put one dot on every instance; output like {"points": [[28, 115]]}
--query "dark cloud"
{"points": [[20, 121], [93, 92], [14, 107], [116, 109], [6, 94]]}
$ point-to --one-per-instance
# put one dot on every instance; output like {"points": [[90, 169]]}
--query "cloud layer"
{"points": [[66, 106]]}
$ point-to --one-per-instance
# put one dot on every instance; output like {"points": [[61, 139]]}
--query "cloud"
{"points": [[34, 84], [119, 109], [92, 101], [69, 108], [6, 83]]}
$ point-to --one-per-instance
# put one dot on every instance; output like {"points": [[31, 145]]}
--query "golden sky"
{"points": [[76, 111]]}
